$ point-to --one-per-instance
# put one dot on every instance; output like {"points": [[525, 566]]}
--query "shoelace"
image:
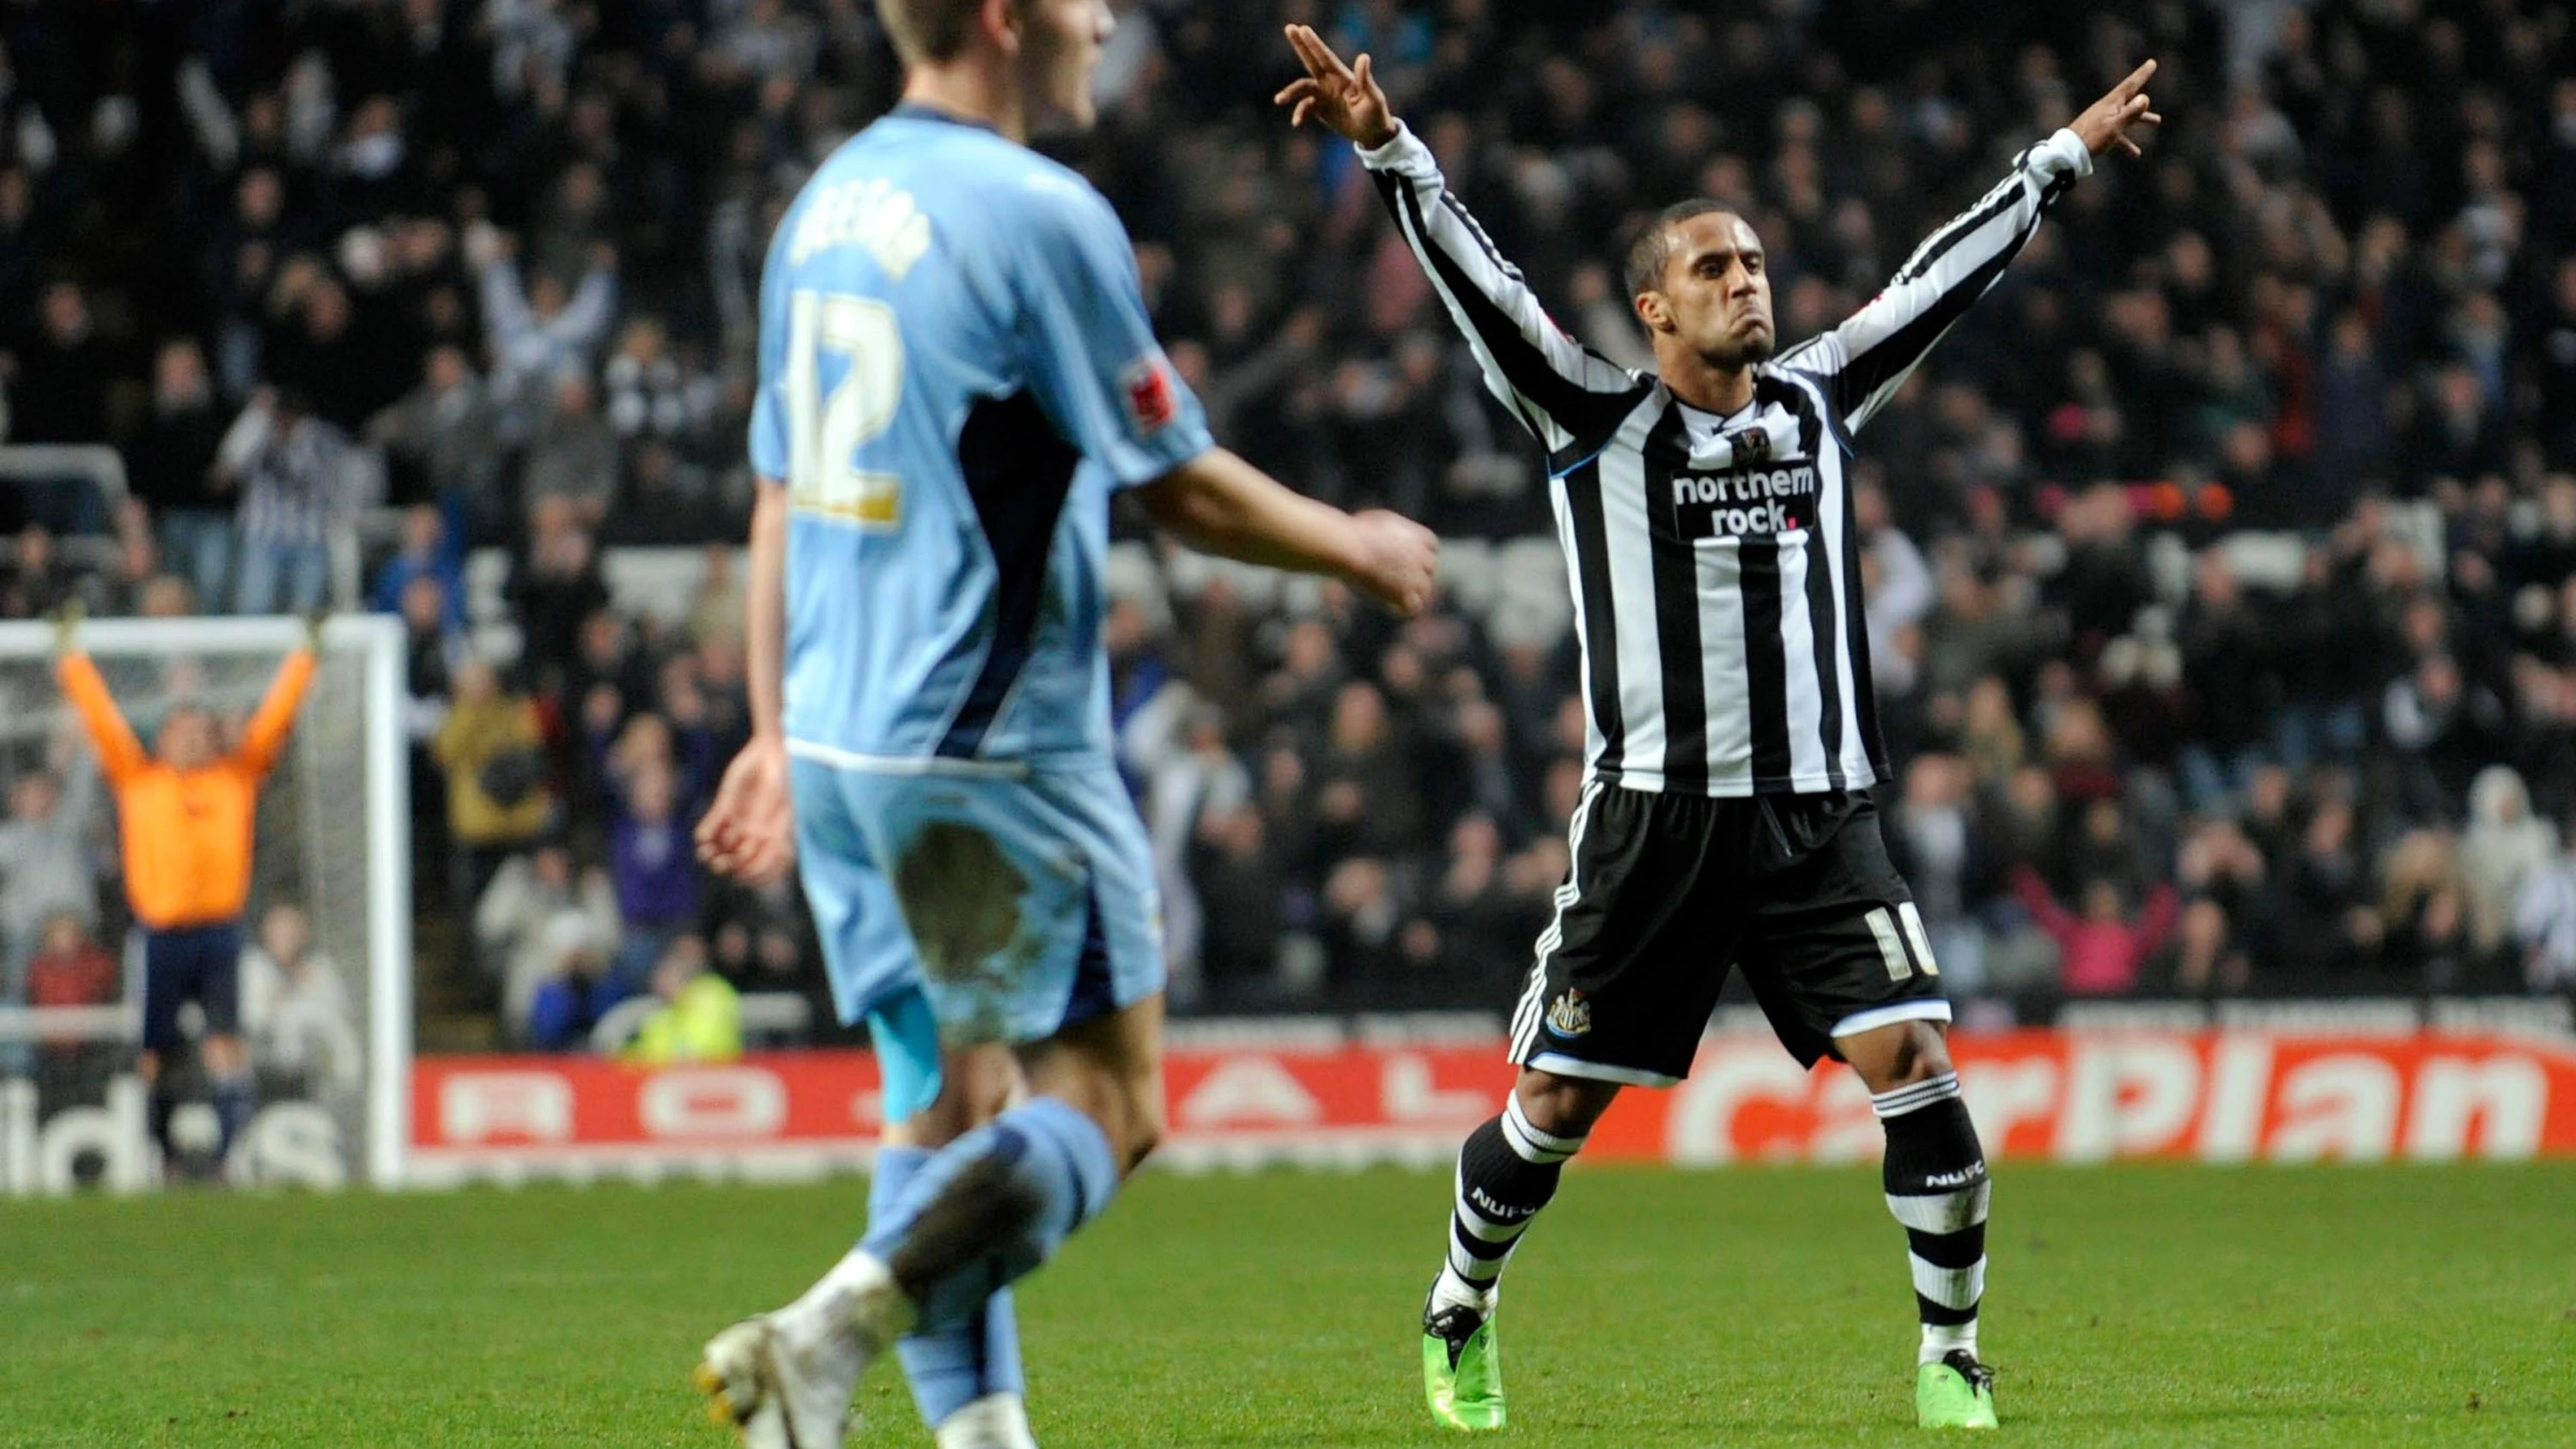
{"points": [[1978, 1375], [1453, 1326]]}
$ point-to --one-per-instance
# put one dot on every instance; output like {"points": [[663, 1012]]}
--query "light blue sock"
{"points": [[954, 1366], [990, 1207]]}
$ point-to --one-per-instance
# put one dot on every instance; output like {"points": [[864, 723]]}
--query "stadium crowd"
{"points": [[2222, 564]]}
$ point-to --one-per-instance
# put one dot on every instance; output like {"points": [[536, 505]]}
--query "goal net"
{"points": [[328, 1029]]}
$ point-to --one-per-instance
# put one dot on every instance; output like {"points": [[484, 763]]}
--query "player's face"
{"points": [[1717, 290], [1060, 44]]}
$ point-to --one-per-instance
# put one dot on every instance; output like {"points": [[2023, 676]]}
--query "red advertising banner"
{"points": [[2069, 1096]]}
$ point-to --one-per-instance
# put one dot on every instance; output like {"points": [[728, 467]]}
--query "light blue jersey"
{"points": [[956, 370]]}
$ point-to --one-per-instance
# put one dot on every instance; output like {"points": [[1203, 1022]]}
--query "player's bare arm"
{"points": [[1220, 504], [749, 833]]}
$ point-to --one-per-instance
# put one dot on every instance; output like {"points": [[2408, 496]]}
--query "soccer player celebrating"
{"points": [[956, 371], [185, 815], [1707, 527]]}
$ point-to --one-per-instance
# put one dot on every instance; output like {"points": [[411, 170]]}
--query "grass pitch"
{"points": [[2157, 1306]]}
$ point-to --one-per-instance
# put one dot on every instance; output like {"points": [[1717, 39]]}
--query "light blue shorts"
{"points": [[1019, 905]]}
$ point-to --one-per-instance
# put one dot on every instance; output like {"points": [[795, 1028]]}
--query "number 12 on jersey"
{"points": [[825, 431]]}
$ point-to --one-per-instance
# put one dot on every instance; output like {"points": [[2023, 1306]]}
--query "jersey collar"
{"points": [[922, 111]]}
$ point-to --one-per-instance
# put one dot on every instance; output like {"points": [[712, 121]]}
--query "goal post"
{"points": [[333, 838]]}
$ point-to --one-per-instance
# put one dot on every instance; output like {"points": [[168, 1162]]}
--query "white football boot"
{"points": [[785, 1379], [995, 1421]]}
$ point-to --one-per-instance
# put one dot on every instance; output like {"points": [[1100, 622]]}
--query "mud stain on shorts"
{"points": [[961, 897]]}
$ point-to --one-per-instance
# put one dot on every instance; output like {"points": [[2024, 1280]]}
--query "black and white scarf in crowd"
{"points": [[1715, 568]]}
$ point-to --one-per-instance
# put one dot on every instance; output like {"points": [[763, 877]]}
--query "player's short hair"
{"points": [[928, 31], [1654, 244]]}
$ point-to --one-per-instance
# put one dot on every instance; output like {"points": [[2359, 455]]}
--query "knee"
{"points": [[1923, 1054], [1562, 1106], [1897, 1055]]}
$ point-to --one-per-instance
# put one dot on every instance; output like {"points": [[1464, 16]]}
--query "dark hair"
{"points": [[1654, 243], [928, 30]]}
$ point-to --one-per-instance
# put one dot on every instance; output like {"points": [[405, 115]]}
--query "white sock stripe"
{"points": [[1475, 1270], [1484, 1229], [1516, 1137], [1915, 1096], [1950, 1287], [1530, 1143], [1941, 1212]]}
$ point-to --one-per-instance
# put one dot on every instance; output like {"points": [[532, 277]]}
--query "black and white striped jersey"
{"points": [[1715, 567]]}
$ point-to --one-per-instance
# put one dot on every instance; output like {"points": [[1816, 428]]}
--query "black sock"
{"points": [[1937, 1187], [1507, 1171]]}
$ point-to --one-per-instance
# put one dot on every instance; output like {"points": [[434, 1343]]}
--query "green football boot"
{"points": [[1956, 1393], [1462, 1369]]}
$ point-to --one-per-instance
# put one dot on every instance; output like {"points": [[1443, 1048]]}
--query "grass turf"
{"points": [[2165, 1306]]}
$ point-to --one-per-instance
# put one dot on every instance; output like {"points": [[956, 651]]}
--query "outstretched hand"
{"points": [[1346, 99], [2107, 122]]}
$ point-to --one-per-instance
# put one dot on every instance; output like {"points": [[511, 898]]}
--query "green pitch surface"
{"points": [[1768, 1307]]}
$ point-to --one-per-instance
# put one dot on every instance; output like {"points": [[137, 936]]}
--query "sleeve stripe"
{"points": [[1875, 373], [1938, 245], [1568, 397], [1559, 410]]}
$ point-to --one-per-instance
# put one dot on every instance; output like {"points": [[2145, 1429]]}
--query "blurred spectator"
{"points": [[492, 747], [296, 1010], [2503, 848], [2102, 948], [2544, 922], [37, 581], [651, 862], [538, 331], [576, 990], [63, 375], [449, 438], [171, 467], [700, 1017], [291, 468], [573, 454], [430, 552], [514, 920], [555, 591], [46, 868], [70, 968]]}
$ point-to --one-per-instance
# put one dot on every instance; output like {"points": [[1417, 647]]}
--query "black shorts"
{"points": [[193, 963], [1669, 892]]}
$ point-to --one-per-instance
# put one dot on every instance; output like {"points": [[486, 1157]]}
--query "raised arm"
{"points": [[1569, 397], [266, 733], [120, 754], [1867, 358]]}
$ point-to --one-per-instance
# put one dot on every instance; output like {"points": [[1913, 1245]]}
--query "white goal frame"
{"points": [[379, 638]]}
